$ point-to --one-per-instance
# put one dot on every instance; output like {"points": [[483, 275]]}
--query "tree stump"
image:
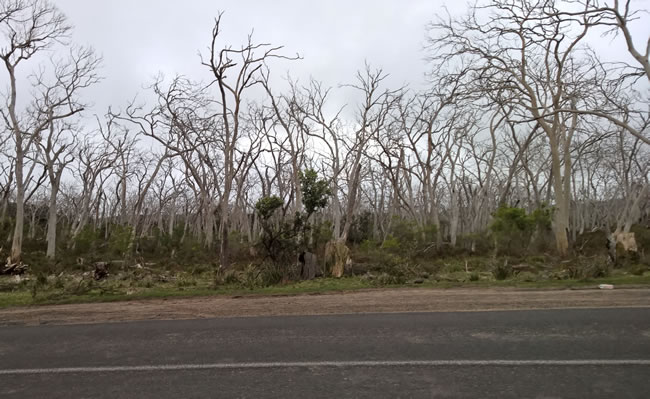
{"points": [[337, 256], [309, 265], [101, 270]]}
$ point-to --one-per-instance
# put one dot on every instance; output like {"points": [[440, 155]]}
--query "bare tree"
{"points": [[31, 27], [57, 150], [525, 49], [235, 71]]}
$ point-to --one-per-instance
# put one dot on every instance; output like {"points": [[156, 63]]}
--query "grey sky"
{"points": [[140, 38]]}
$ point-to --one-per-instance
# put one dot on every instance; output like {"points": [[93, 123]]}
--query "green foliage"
{"points": [[513, 228], [120, 239], [502, 271], [315, 191], [642, 237], [281, 240], [406, 236], [361, 228], [266, 206], [584, 268], [225, 277], [508, 220], [86, 240], [476, 243], [368, 245], [321, 233], [391, 244], [638, 270], [272, 274], [405, 233], [542, 217]]}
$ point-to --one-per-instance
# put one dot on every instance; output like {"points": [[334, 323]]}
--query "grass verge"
{"points": [[25, 297]]}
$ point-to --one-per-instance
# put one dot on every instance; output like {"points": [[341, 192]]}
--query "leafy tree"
{"points": [[315, 192], [282, 239], [266, 206], [513, 228]]}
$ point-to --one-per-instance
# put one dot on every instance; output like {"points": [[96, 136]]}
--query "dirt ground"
{"points": [[384, 300]]}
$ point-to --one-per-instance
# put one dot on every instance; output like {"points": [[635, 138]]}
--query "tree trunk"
{"points": [[17, 243], [51, 225], [561, 217]]}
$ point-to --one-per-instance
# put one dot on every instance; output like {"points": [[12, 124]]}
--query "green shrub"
{"points": [[388, 279], [368, 245], [642, 237], [477, 243], [120, 239], [226, 277], [321, 233], [250, 277], [502, 271], [391, 244], [315, 191], [514, 229], [272, 274], [85, 242], [587, 268], [361, 228], [638, 270], [186, 281], [527, 276], [282, 240], [266, 206]]}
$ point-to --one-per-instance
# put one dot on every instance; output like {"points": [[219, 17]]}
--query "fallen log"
{"points": [[16, 268]]}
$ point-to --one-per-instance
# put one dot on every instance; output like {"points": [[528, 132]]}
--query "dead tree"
{"points": [[31, 27], [57, 149], [235, 71]]}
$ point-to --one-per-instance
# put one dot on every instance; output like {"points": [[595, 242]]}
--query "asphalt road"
{"points": [[585, 353]]}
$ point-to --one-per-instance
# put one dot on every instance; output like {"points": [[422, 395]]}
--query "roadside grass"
{"points": [[201, 286]]}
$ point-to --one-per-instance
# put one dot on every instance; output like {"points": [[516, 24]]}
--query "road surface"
{"points": [[571, 353]]}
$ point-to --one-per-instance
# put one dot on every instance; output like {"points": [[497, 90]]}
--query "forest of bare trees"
{"points": [[520, 112]]}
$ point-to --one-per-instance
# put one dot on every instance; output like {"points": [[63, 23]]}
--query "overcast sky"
{"points": [[139, 39]]}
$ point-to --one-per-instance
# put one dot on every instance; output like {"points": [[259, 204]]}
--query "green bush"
{"points": [[587, 268], [226, 277], [502, 271], [513, 228], [391, 244], [86, 241], [266, 206], [120, 239], [477, 243], [250, 277], [282, 240], [361, 228], [315, 191], [321, 233], [638, 270]]}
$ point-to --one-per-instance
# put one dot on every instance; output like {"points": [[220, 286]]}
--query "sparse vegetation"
{"points": [[524, 160]]}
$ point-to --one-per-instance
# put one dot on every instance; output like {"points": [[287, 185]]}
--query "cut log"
{"points": [[101, 270], [17, 268]]}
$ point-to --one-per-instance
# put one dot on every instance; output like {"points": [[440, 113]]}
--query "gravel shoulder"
{"points": [[369, 301]]}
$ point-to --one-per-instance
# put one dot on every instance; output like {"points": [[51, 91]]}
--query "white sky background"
{"points": [[139, 39]]}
